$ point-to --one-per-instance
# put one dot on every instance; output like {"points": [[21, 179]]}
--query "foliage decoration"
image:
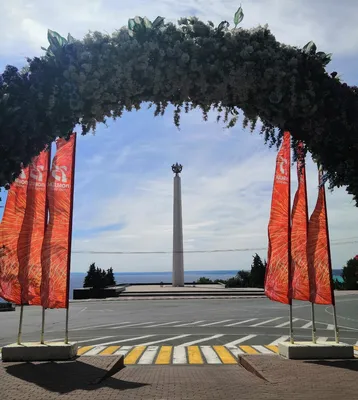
{"points": [[189, 65]]}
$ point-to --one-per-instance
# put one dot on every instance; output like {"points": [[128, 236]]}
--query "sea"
{"points": [[77, 278]]}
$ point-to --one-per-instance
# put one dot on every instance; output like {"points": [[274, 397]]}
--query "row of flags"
{"points": [[299, 261], [36, 230]]}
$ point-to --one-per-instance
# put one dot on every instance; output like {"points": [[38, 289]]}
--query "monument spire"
{"points": [[178, 256]]}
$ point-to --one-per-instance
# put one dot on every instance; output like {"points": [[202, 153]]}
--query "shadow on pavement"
{"points": [[66, 377], [344, 364]]}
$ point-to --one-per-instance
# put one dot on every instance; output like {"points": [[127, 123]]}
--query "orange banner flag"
{"points": [[318, 249], [277, 282], [11, 224], [33, 230], [299, 234], [56, 249]]}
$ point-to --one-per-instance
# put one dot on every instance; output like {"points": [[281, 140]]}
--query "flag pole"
{"points": [[70, 240], [336, 329], [289, 251], [43, 326], [314, 337], [20, 324]]}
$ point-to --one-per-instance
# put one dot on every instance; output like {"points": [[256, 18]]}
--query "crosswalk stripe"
{"points": [[130, 325], [262, 350], [286, 323], [201, 340], [96, 350], [249, 350], [190, 323], [127, 340], [243, 339], [96, 326], [83, 350], [308, 325], [164, 355], [109, 350], [235, 351], [217, 323], [179, 355], [242, 322], [330, 327], [194, 355], [123, 351], [279, 340], [356, 347], [272, 348], [224, 354], [163, 340], [149, 355], [210, 355], [166, 323], [133, 356], [266, 322]]}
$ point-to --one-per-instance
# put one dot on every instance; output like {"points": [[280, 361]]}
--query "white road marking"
{"points": [[217, 323], [286, 323], [123, 351], [126, 326], [95, 350], [263, 350], [201, 340], [308, 325], [235, 351], [179, 355], [279, 340], [166, 323], [242, 322], [322, 339], [266, 322], [243, 339], [330, 327], [162, 340], [93, 340], [96, 326], [190, 323], [149, 355], [210, 355], [126, 340]]}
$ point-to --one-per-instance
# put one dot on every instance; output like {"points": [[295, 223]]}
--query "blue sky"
{"points": [[123, 191]]}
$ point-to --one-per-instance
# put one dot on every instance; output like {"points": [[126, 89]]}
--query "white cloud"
{"points": [[226, 185]]}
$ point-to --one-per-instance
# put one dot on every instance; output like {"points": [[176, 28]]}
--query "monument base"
{"points": [[315, 351], [32, 351]]}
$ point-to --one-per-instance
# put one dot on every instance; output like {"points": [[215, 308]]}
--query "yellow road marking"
{"points": [[133, 356], [164, 356], [224, 354], [272, 348], [249, 350], [83, 350], [109, 350], [355, 348], [194, 355]]}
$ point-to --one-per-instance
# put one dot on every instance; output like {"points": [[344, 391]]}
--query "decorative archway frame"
{"points": [[189, 65]]}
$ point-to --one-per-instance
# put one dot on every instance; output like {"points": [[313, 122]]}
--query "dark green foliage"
{"points": [[190, 65], [98, 279], [258, 269], [350, 274]]}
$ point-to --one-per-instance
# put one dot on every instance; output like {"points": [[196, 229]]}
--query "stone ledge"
{"points": [[33, 351], [315, 351]]}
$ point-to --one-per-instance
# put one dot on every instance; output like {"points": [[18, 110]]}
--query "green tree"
{"points": [[258, 269], [203, 280], [110, 280], [91, 276], [350, 274]]}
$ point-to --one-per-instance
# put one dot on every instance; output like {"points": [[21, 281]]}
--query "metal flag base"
{"points": [[315, 351]]}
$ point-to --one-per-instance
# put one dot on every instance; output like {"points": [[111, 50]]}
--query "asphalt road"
{"points": [[183, 322]]}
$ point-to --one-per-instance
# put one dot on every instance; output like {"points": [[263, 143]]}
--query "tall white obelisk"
{"points": [[178, 256]]}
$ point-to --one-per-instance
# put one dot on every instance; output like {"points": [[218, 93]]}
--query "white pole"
{"points": [[314, 336], [336, 329], [43, 325], [291, 326], [20, 324]]}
